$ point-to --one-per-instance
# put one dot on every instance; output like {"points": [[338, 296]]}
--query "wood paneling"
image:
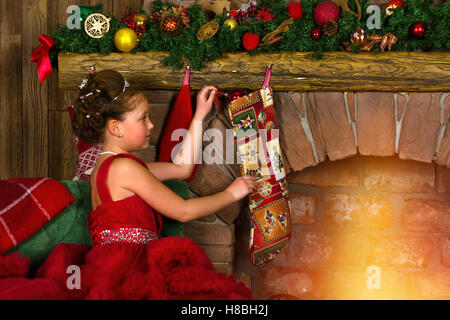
{"points": [[63, 157], [35, 95], [60, 140], [11, 122], [35, 134]]}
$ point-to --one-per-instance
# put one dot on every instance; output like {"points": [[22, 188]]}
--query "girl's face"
{"points": [[136, 127]]}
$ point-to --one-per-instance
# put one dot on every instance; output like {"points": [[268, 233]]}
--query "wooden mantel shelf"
{"points": [[292, 71]]}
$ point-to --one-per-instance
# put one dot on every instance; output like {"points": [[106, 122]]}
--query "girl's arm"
{"points": [[142, 182], [191, 149]]}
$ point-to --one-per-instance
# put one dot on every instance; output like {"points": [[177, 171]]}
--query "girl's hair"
{"points": [[103, 97]]}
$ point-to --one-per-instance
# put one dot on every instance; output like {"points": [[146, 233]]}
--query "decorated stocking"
{"points": [[258, 147]]}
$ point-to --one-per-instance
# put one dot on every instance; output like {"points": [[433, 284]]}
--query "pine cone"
{"points": [[330, 27]]}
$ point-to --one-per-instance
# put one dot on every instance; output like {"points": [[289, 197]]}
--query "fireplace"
{"points": [[368, 171], [370, 195]]}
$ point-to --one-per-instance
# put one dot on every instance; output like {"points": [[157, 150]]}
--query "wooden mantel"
{"points": [[292, 71]]}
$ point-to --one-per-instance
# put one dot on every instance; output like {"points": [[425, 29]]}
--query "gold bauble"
{"points": [[231, 23], [140, 19], [126, 39]]}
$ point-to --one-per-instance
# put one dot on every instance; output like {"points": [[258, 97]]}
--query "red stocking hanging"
{"points": [[180, 117]]}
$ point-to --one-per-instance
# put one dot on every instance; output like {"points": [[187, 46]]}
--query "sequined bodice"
{"points": [[130, 220]]}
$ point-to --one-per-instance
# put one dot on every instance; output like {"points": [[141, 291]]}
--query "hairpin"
{"points": [[125, 85], [83, 83]]}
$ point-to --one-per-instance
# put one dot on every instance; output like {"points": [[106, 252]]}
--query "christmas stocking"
{"points": [[258, 147], [180, 118]]}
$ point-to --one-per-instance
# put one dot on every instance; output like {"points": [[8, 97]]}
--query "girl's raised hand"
{"points": [[242, 186], [205, 100]]}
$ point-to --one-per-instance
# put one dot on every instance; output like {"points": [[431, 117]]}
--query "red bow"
{"points": [[40, 56]]}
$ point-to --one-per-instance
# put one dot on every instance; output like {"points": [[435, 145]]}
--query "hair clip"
{"points": [[83, 83], [125, 85]]}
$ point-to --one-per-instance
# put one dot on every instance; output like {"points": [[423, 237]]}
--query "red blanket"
{"points": [[26, 205]]}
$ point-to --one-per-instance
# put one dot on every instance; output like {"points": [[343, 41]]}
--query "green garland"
{"points": [[197, 53]]}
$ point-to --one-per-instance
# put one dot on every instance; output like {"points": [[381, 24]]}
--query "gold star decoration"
{"points": [[96, 25], [345, 8]]}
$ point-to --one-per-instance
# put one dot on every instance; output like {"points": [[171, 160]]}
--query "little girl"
{"points": [[128, 260]]}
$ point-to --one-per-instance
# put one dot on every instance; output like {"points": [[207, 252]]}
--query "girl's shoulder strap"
{"points": [[102, 174]]}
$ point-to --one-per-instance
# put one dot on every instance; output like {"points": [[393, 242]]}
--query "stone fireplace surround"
{"points": [[370, 193]]}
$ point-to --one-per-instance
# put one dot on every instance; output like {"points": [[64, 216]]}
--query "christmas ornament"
{"points": [[125, 39], [392, 5], [140, 20], [130, 20], [388, 40], [233, 14], [172, 20], [231, 24], [264, 15], [345, 8], [171, 24], [295, 10], [330, 27], [235, 94], [208, 30], [359, 37], [316, 34], [250, 41], [418, 29], [324, 11], [218, 6], [365, 43], [182, 13], [96, 25], [273, 37]]}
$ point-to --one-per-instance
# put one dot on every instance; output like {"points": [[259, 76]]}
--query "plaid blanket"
{"points": [[26, 205]]}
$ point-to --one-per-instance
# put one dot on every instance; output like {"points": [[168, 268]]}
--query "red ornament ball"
{"points": [[418, 29], [324, 11], [295, 10], [251, 41], [235, 94], [316, 34]]}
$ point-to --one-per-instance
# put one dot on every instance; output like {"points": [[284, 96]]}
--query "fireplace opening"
{"points": [[363, 228]]}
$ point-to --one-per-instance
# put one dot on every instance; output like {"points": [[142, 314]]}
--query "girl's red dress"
{"points": [[128, 260]]}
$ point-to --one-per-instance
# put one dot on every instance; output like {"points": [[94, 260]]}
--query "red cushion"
{"points": [[26, 205]]}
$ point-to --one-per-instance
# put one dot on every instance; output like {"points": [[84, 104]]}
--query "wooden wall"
{"points": [[35, 134]]}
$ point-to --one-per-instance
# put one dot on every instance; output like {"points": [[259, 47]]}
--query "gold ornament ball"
{"points": [[140, 19], [126, 39], [230, 23]]}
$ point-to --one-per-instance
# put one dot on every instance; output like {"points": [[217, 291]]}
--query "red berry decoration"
{"points": [[316, 34], [418, 29], [235, 94], [324, 11], [251, 41], [295, 10], [392, 5]]}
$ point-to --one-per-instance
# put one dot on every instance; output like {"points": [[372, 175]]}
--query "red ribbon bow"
{"points": [[40, 56]]}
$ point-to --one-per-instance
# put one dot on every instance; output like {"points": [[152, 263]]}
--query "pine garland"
{"points": [[197, 53]]}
